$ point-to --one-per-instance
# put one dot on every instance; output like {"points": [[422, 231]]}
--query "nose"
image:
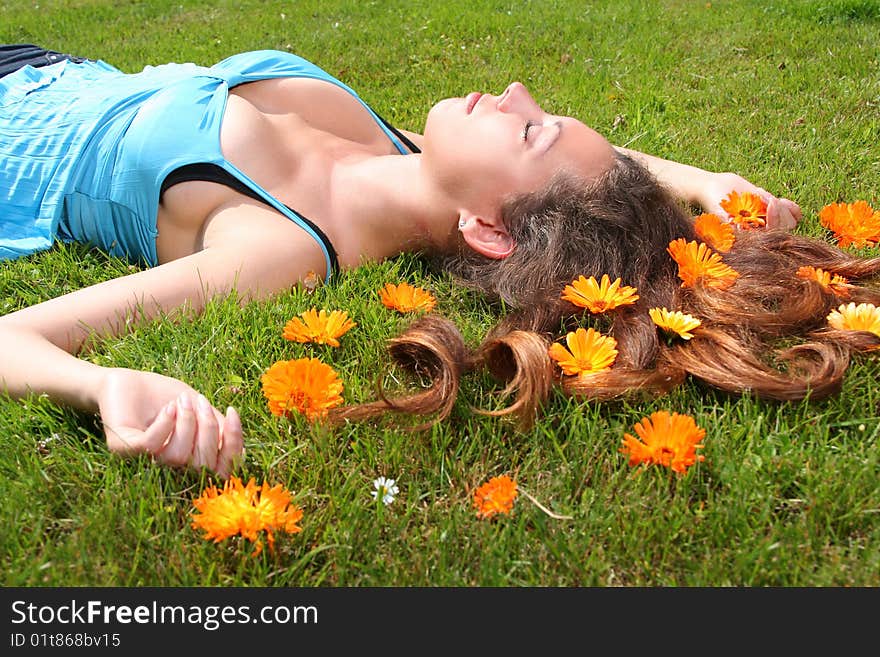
{"points": [[516, 97]]}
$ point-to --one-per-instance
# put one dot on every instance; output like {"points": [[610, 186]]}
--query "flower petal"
{"points": [[406, 298], [699, 265], [714, 231], [247, 511], [305, 385], [853, 224], [676, 322], [495, 496], [665, 439], [852, 317], [746, 209], [318, 327], [588, 352], [599, 297]]}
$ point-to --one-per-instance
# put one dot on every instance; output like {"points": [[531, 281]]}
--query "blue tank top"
{"points": [[84, 147]]}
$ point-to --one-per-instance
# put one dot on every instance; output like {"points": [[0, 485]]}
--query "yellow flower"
{"points": [[246, 511], [588, 352], [833, 283], [746, 210], [305, 385], [599, 297], [406, 298], [318, 327], [495, 496], [675, 322], [714, 231], [852, 223], [669, 440], [697, 263], [852, 317]]}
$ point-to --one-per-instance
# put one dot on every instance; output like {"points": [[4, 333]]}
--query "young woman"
{"points": [[251, 173]]}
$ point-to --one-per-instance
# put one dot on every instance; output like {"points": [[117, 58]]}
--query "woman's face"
{"points": [[483, 148]]}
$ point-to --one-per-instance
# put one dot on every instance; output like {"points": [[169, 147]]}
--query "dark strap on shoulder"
{"points": [[411, 146], [216, 174]]}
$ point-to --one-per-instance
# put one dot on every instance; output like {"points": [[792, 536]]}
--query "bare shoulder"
{"points": [[268, 252], [261, 239]]}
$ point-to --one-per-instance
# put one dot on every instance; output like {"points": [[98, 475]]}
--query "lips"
{"points": [[472, 99]]}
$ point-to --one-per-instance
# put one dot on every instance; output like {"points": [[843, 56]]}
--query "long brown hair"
{"points": [[766, 334]]}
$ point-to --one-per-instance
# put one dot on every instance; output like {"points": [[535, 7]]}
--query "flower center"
{"points": [[299, 400]]}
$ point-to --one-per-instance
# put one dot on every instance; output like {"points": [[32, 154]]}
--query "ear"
{"points": [[487, 237]]}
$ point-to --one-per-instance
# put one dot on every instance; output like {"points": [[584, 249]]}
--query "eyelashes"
{"points": [[525, 131]]}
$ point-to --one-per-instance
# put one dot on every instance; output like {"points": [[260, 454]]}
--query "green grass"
{"points": [[784, 92]]}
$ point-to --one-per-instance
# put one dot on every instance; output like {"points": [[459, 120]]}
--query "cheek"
{"points": [[472, 157]]}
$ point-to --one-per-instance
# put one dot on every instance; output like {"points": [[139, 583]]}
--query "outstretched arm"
{"points": [[707, 189], [142, 412], [146, 412]]}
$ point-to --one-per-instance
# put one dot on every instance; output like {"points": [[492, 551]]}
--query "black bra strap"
{"points": [[411, 146], [216, 174]]}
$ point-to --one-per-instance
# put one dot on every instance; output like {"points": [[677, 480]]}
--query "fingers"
{"points": [[232, 444], [187, 432], [207, 437], [128, 441], [780, 215], [179, 447], [793, 208], [202, 437]]}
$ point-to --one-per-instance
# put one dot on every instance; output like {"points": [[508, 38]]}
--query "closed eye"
{"points": [[525, 132]]}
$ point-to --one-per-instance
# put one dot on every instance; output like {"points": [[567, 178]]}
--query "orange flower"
{"points": [[247, 511], [852, 317], [670, 440], [852, 223], [406, 298], [678, 323], [318, 327], [746, 210], [596, 297], [590, 352], [305, 385], [698, 263], [714, 231], [832, 283], [495, 496]]}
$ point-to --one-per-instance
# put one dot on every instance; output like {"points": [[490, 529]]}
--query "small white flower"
{"points": [[385, 488]]}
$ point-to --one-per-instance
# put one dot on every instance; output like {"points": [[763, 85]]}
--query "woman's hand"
{"points": [[781, 212], [148, 413]]}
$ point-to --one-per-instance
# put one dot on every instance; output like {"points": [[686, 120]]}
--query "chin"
{"points": [[445, 120], [447, 107]]}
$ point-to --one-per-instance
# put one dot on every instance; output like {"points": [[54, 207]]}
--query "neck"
{"points": [[386, 208]]}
